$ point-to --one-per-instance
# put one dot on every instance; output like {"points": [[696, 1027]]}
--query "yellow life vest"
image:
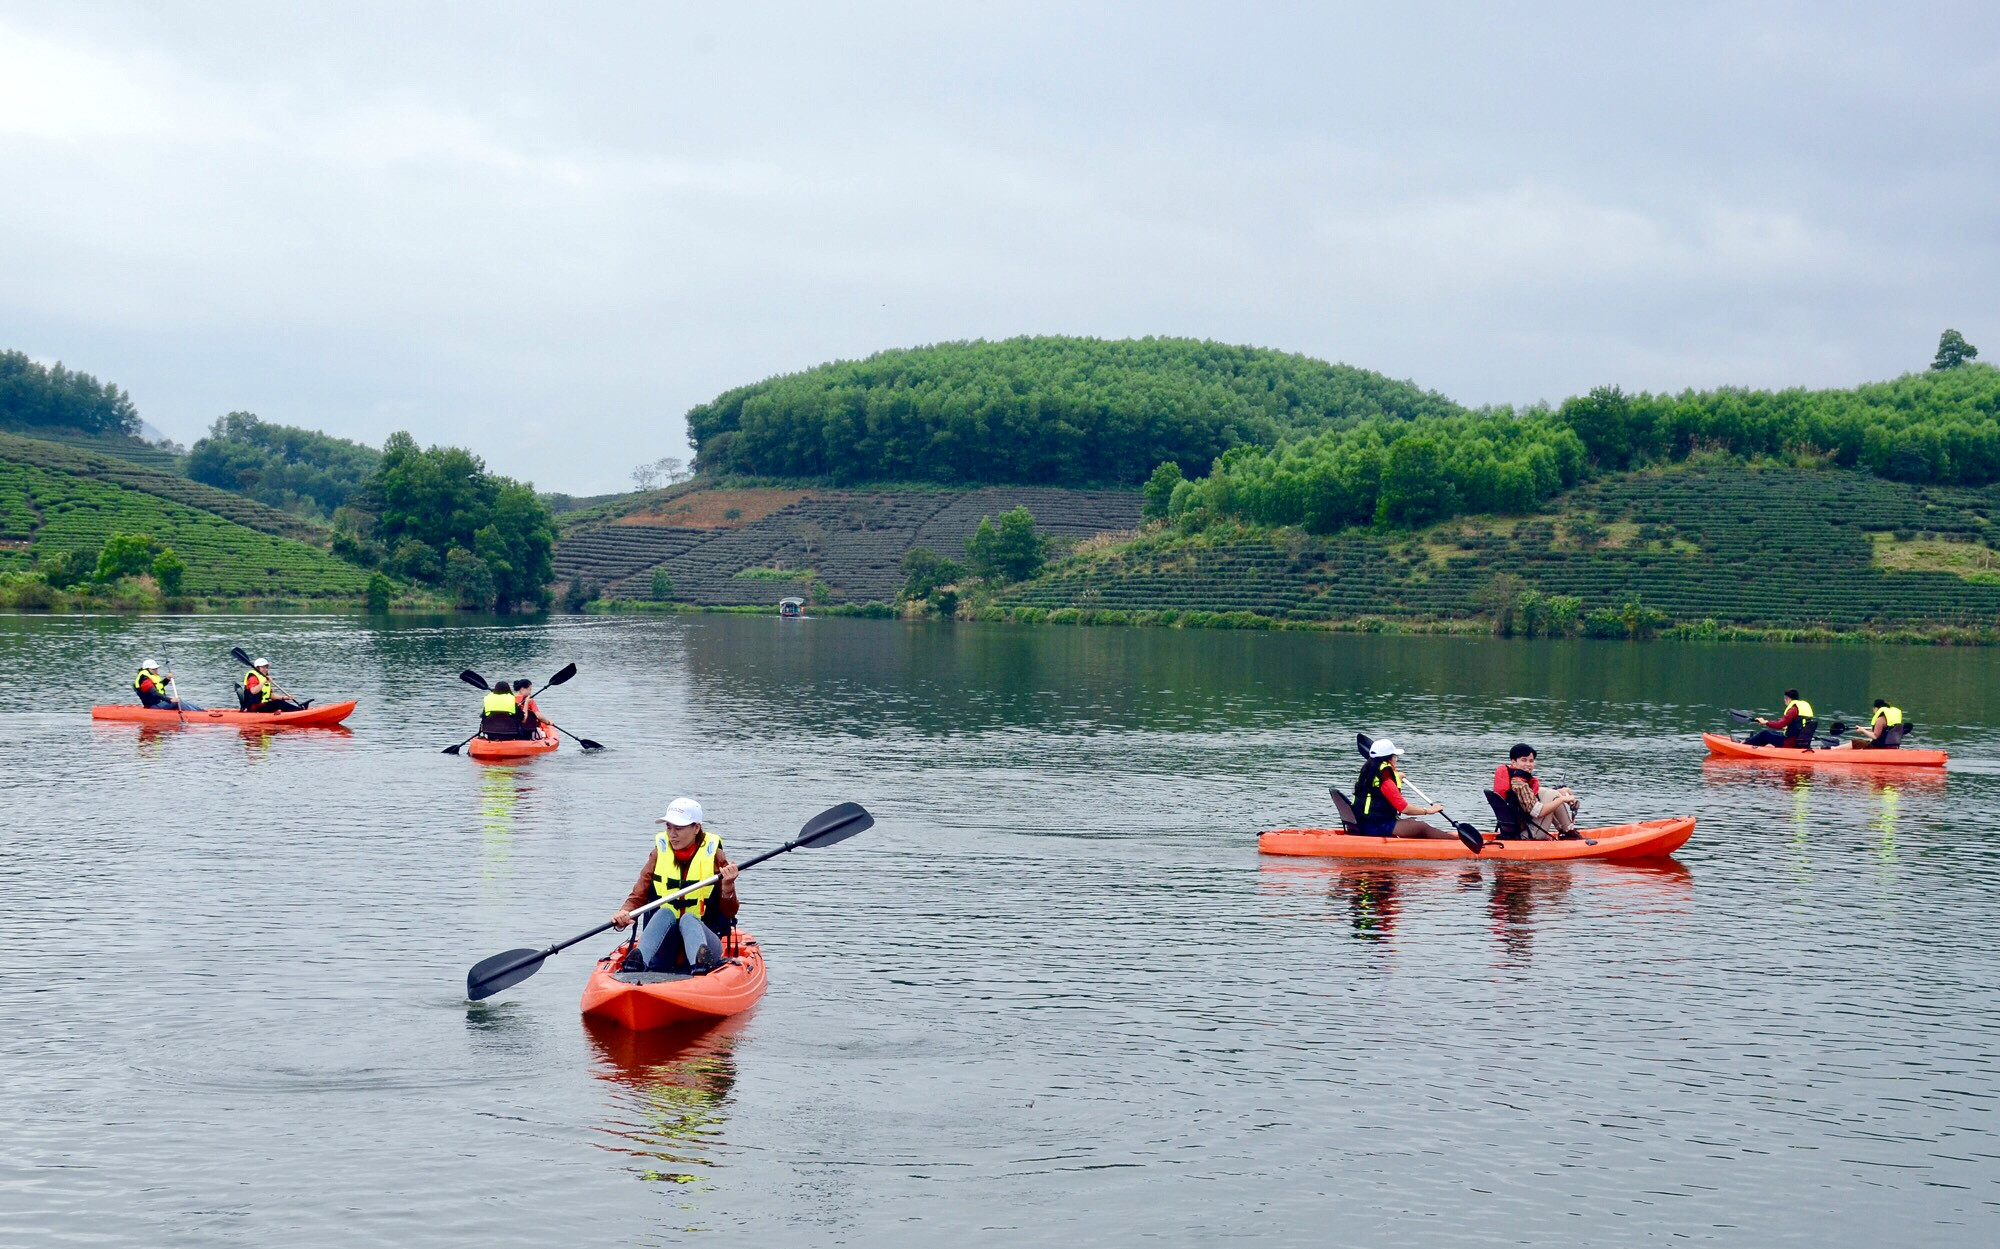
{"points": [[1805, 708], [1365, 808], [1890, 716], [667, 874], [257, 685], [139, 679], [499, 705]]}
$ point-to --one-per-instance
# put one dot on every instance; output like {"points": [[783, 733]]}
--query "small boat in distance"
{"points": [[792, 608]]}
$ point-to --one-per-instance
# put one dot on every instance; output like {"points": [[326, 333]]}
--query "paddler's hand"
{"points": [[1434, 809], [621, 919], [728, 874]]}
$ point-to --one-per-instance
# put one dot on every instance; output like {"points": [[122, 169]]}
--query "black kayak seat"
{"points": [[1506, 824], [1345, 810]]}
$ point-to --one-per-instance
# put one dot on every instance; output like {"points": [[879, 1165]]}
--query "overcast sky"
{"points": [[544, 231]]}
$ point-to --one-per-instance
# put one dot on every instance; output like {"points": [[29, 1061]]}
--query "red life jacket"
{"points": [[1503, 780]]}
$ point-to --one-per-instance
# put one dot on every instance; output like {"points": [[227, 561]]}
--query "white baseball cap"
{"points": [[681, 812], [1383, 748], [149, 663], [260, 663]]}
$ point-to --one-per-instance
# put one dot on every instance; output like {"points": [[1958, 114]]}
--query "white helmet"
{"points": [[148, 665]]}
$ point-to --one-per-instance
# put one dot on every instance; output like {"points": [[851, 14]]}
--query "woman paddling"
{"points": [[1379, 805]]}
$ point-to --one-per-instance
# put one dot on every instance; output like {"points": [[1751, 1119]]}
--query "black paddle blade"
{"points": [[453, 749], [503, 971], [473, 678], [1362, 742], [1471, 836], [1741, 716], [587, 744], [835, 824], [236, 653], [569, 670]]}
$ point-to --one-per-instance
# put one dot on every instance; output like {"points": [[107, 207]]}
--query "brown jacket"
{"points": [[723, 903]]}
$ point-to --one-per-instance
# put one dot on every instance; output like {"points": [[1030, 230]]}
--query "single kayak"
{"points": [[515, 748], [1652, 839], [331, 713], [647, 999], [1729, 748]]}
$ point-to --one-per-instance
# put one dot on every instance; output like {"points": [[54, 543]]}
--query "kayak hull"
{"points": [[525, 748], [729, 990], [1729, 748], [1652, 839], [331, 713]]}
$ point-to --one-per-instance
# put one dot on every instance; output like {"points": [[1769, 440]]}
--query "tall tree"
{"points": [[1953, 351]]}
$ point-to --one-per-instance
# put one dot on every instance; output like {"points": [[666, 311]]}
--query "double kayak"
{"points": [[331, 713], [648, 999], [512, 748], [1652, 839], [1729, 748]]}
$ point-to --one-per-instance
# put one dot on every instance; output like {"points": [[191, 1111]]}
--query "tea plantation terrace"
{"points": [[852, 541]]}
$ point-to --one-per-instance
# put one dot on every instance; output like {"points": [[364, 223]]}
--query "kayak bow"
{"points": [[521, 748], [658, 999]]}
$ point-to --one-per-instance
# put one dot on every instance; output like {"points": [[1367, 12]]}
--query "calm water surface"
{"points": [[1054, 996]]}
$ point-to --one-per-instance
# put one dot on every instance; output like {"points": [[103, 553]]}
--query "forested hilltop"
{"points": [[1041, 411]]}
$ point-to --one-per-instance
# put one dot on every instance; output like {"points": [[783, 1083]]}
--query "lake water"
{"points": [[1053, 997]]}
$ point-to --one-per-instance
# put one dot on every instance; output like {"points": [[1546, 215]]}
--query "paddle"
{"points": [[1469, 836], [175, 687], [569, 670], [238, 654], [505, 970]]}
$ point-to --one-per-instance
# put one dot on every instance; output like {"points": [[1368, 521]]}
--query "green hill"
{"points": [[60, 501], [1694, 548], [1041, 411]]}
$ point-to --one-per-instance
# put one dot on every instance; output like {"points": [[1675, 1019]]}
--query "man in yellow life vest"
{"points": [[1794, 728], [500, 715], [151, 686], [1885, 729], [683, 853], [256, 692]]}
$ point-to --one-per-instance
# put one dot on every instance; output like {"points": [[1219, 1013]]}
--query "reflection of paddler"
{"points": [[1372, 901], [1520, 890], [677, 1084]]}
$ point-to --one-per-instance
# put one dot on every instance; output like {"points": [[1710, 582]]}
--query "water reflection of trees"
{"points": [[673, 1089]]}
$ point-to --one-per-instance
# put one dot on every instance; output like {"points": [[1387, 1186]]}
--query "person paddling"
{"points": [[1541, 819], [151, 686], [684, 935], [1885, 729], [1794, 728], [500, 715], [257, 692], [524, 702], [1379, 805]]}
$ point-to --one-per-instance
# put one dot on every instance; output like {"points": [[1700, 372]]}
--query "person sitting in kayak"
{"points": [[1885, 729], [684, 935], [151, 686], [531, 715], [1794, 728], [500, 715], [1379, 806], [257, 692], [1541, 819]]}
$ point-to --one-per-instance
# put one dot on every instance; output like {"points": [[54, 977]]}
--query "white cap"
{"points": [[149, 663], [1382, 748], [681, 812], [260, 663]]}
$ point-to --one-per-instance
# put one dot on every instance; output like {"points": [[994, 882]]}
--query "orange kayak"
{"points": [[522, 748], [331, 713], [1652, 839], [1729, 748], [658, 999]]}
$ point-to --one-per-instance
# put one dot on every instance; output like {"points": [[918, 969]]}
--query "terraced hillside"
{"points": [[1767, 547], [116, 470], [45, 513], [853, 541]]}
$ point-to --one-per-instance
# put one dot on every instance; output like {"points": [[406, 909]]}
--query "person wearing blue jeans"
{"points": [[686, 934]]}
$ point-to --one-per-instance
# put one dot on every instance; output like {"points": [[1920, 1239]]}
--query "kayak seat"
{"points": [[1344, 809], [1506, 823]]}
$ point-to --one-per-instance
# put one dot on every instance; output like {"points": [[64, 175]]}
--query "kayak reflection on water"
{"points": [[674, 1086], [1372, 900]]}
